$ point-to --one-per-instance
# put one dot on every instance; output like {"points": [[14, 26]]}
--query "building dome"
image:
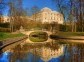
{"points": [[56, 12], [46, 9]]}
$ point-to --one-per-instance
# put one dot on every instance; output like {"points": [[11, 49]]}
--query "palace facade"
{"points": [[49, 16]]}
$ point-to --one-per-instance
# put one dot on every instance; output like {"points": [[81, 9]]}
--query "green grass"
{"points": [[42, 36], [71, 34], [37, 39], [4, 35]]}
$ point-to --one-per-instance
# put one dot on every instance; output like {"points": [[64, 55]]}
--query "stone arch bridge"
{"points": [[28, 32]]}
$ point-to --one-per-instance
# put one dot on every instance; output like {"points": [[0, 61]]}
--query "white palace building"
{"points": [[47, 15]]}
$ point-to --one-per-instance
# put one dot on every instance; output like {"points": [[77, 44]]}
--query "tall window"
{"points": [[45, 18], [54, 18], [51, 17]]}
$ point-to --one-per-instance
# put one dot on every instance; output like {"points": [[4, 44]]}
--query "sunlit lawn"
{"points": [[71, 34], [4, 35]]}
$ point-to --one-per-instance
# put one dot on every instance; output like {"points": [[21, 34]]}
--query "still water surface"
{"points": [[46, 52]]}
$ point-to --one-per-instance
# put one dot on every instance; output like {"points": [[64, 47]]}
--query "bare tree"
{"points": [[78, 13], [11, 15], [2, 7], [35, 12], [75, 13], [81, 14], [62, 8], [17, 15]]}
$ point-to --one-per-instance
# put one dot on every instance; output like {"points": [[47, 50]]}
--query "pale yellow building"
{"points": [[4, 19], [7, 18], [47, 15]]}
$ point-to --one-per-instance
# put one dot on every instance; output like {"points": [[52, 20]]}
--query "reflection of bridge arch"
{"points": [[29, 32]]}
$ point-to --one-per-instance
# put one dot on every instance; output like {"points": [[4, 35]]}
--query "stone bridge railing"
{"points": [[28, 32]]}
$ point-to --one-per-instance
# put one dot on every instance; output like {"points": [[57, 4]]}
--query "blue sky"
{"points": [[40, 3], [28, 4]]}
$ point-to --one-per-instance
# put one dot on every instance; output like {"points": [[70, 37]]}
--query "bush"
{"points": [[65, 28], [4, 29], [4, 25]]}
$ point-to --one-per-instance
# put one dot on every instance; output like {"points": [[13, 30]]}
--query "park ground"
{"points": [[6, 35], [70, 34]]}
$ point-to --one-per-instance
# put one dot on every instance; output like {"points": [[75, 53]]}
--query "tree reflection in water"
{"points": [[19, 53], [72, 52]]}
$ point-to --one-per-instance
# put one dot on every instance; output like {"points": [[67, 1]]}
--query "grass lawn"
{"points": [[71, 34], [38, 36], [4, 35], [37, 39]]}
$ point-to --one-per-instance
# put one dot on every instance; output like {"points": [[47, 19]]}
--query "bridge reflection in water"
{"points": [[48, 52]]}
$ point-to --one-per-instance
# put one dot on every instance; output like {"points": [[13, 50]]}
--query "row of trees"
{"points": [[21, 17], [2, 6], [73, 12], [17, 15]]}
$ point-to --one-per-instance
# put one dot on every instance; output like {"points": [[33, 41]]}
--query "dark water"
{"points": [[46, 52]]}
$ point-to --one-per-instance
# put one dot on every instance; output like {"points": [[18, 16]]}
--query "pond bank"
{"points": [[10, 41], [77, 39]]}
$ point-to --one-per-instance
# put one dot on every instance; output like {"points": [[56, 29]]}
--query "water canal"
{"points": [[52, 51]]}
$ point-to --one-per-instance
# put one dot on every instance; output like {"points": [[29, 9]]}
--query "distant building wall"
{"points": [[47, 15], [4, 19]]}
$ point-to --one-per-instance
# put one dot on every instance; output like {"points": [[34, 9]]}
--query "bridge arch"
{"points": [[29, 32]]}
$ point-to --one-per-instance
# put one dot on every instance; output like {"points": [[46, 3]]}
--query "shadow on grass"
{"points": [[56, 37]]}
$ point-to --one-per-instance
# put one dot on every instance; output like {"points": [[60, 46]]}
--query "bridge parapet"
{"points": [[28, 32]]}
